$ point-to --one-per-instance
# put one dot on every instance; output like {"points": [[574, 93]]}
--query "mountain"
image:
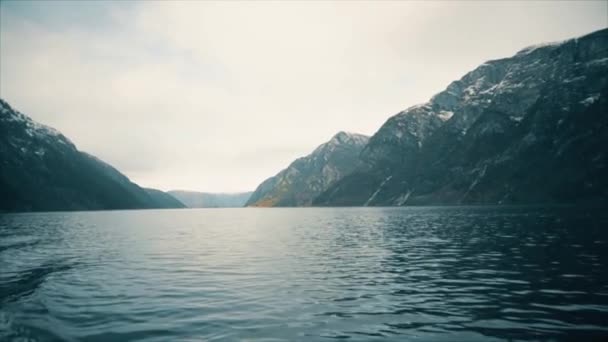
{"points": [[532, 128], [193, 199], [42, 170], [309, 176], [164, 198]]}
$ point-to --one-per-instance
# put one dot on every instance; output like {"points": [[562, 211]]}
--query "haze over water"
{"points": [[309, 274]]}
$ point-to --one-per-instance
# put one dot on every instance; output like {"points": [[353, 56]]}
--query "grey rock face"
{"points": [[309, 176], [526, 129]]}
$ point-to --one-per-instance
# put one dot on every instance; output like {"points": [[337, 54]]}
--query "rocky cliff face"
{"points": [[526, 129], [41, 170], [309, 176]]}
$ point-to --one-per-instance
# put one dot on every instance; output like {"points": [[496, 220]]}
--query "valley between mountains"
{"points": [[530, 128]]}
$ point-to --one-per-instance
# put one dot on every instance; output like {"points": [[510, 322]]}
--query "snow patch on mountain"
{"points": [[32, 128], [532, 48], [373, 196], [590, 100], [598, 62], [341, 138], [445, 115]]}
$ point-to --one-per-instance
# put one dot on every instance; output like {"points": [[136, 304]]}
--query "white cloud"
{"points": [[217, 96]]}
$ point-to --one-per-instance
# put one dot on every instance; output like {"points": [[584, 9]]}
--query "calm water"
{"points": [[424, 274]]}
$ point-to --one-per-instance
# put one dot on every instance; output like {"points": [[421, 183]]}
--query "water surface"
{"points": [[424, 274]]}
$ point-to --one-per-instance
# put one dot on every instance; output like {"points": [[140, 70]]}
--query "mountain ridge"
{"points": [[42, 170], [308, 176], [448, 150]]}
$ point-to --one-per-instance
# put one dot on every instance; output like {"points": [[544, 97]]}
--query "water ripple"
{"points": [[431, 274]]}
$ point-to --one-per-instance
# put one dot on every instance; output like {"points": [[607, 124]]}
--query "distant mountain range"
{"points": [[307, 177], [42, 170], [193, 199]]}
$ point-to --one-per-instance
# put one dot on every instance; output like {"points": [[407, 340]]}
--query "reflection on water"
{"points": [[305, 274]]}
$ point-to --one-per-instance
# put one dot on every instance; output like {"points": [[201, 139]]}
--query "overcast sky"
{"points": [[218, 96]]}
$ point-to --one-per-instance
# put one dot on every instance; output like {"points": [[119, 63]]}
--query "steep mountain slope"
{"points": [[193, 199], [526, 129], [42, 170], [307, 177]]}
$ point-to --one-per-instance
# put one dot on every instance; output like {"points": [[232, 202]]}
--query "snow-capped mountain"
{"points": [[307, 177], [42, 170], [529, 128]]}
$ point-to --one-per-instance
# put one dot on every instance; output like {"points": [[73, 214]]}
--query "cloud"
{"points": [[217, 96]]}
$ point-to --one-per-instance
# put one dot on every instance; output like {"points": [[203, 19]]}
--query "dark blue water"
{"points": [[424, 274]]}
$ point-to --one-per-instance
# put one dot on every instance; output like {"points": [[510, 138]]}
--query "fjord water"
{"points": [[427, 274]]}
